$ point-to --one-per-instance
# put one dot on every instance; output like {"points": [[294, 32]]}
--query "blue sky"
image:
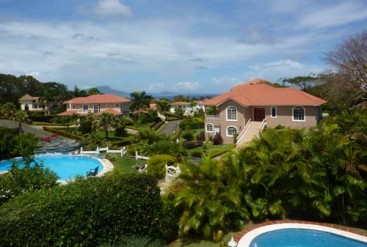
{"points": [[184, 46]]}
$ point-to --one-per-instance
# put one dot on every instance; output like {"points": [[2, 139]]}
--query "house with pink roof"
{"points": [[241, 113], [97, 104]]}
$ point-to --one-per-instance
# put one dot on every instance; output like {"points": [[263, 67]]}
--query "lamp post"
{"points": [[232, 243]]}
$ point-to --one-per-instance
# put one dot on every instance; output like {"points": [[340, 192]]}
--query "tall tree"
{"points": [[350, 61], [105, 121], [140, 100]]}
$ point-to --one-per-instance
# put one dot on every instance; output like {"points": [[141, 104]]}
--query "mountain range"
{"points": [[164, 94]]}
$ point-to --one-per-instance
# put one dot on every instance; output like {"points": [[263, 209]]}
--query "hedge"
{"points": [[88, 212], [157, 164], [42, 118], [63, 133], [192, 123], [191, 144]]}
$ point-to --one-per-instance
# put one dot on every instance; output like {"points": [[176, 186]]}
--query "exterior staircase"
{"points": [[251, 130]]}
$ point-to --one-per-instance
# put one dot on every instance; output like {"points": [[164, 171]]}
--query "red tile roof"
{"points": [[109, 110], [67, 113], [259, 93], [98, 98]]}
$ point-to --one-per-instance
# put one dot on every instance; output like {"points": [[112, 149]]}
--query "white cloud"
{"points": [[333, 15], [186, 86], [112, 8]]}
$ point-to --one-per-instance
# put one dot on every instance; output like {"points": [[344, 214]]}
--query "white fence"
{"points": [[140, 157], [121, 151]]}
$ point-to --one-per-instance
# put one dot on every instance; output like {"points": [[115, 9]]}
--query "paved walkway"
{"points": [[26, 128], [170, 127]]}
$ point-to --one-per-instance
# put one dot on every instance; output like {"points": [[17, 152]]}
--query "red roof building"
{"points": [[257, 103], [97, 104]]}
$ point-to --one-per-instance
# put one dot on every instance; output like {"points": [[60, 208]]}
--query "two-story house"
{"points": [[247, 108], [188, 108], [33, 104], [97, 104]]}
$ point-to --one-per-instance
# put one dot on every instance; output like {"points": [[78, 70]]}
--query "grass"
{"points": [[125, 164]]}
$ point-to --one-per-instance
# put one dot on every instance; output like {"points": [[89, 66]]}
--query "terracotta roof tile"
{"points": [[258, 93], [98, 98]]}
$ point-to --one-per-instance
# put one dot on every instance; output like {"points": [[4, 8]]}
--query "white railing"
{"points": [[263, 124], [140, 157], [121, 151], [244, 131]]}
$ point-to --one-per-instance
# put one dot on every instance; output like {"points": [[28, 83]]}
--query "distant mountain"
{"points": [[164, 94], [109, 90]]}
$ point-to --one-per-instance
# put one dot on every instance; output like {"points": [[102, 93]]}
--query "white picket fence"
{"points": [[140, 157], [121, 151]]}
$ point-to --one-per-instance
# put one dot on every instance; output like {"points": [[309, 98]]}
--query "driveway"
{"points": [[26, 128], [170, 127]]}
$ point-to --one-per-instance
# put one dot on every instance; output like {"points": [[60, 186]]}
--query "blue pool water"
{"points": [[303, 238], [66, 166]]}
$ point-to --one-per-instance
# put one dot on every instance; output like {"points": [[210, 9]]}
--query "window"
{"points": [[85, 107], [96, 108], [231, 113], [209, 128], [298, 114], [273, 112], [231, 131]]}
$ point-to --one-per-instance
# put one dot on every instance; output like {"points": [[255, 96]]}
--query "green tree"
{"points": [[94, 91], [140, 100], [211, 197], [8, 109], [105, 121], [20, 116]]}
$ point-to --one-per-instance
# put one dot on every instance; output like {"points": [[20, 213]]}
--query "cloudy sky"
{"points": [[184, 46]]}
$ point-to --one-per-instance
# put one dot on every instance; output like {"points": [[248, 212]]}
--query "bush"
{"points": [[192, 123], [120, 131], [19, 180], [188, 135], [201, 136], [191, 144], [197, 154], [85, 126], [217, 139], [88, 212], [41, 118], [157, 164]]}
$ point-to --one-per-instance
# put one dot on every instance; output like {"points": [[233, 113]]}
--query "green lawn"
{"points": [[125, 164]]}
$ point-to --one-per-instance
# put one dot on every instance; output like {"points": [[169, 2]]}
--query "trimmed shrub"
{"points": [[41, 118], [201, 136], [88, 212], [63, 133], [85, 126], [197, 154], [191, 144], [157, 164], [188, 135], [192, 123], [120, 131], [217, 139]]}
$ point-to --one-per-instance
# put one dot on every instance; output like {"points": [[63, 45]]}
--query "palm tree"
{"points": [[210, 197], [20, 116], [105, 121], [140, 100]]}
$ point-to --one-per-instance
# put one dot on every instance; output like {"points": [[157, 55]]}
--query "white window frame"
{"points": [[227, 119], [227, 131], [304, 114], [271, 112], [206, 127]]}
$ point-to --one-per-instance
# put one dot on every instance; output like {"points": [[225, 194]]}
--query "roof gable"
{"points": [[259, 93], [98, 99]]}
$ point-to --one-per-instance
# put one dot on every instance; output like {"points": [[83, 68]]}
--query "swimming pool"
{"points": [[66, 167], [300, 235]]}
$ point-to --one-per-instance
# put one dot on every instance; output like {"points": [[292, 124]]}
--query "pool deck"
{"points": [[244, 237]]}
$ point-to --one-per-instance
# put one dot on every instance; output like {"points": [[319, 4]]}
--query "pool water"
{"points": [[303, 238], [66, 167]]}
